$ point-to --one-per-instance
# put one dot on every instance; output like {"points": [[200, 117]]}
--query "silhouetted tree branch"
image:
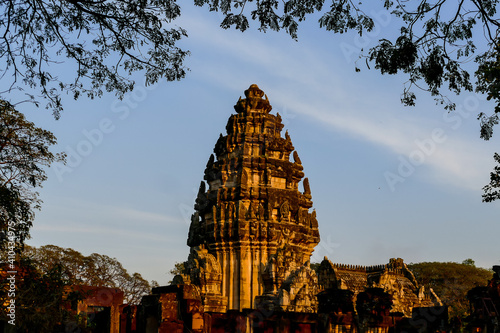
{"points": [[105, 41], [431, 47]]}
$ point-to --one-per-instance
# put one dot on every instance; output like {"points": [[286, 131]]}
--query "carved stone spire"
{"points": [[252, 173]]}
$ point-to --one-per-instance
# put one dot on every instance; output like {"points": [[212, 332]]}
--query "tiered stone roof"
{"points": [[393, 277], [253, 206]]}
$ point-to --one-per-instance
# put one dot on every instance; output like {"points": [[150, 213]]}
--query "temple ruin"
{"points": [[251, 237], [252, 232]]}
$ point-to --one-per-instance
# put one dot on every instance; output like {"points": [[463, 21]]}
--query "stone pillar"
{"points": [[235, 280], [115, 318], [245, 278], [225, 272], [257, 259]]}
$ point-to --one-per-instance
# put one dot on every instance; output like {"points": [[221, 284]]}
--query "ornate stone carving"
{"points": [[252, 206], [289, 285], [201, 199], [284, 211], [394, 279], [307, 188], [194, 237], [296, 158], [252, 235], [203, 270]]}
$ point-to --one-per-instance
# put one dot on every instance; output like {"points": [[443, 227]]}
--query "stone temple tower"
{"points": [[253, 230]]}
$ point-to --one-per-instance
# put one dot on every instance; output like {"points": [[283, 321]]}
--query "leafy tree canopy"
{"points": [[39, 297], [435, 41], [94, 270], [44, 272], [105, 41], [178, 269], [451, 281], [24, 152], [492, 190]]}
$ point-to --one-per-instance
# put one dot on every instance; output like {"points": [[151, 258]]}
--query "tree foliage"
{"points": [[179, 269], [94, 270], [451, 281], [433, 46], [42, 275], [104, 41], [492, 190], [107, 41], [39, 297], [433, 42], [24, 152]]}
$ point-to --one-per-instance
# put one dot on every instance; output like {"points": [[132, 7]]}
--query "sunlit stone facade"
{"points": [[253, 230]]}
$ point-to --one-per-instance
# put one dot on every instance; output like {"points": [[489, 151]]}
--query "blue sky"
{"points": [[386, 180]]}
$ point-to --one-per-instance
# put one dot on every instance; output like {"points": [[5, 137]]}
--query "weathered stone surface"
{"points": [[485, 305], [251, 236], [252, 232], [100, 305], [288, 286], [393, 278]]}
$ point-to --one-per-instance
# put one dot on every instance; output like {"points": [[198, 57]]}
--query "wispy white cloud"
{"points": [[462, 164], [316, 89], [117, 217], [455, 158], [70, 229], [146, 216]]}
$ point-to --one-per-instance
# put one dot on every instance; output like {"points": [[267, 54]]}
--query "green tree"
{"points": [[492, 190], [44, 272], [39, 297], [94, 270], [24, 152], [104, 41], [107, 41], [451, 281], [433, 46], [433, 42], [315, 266], [177, 270], [469, 262]]}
